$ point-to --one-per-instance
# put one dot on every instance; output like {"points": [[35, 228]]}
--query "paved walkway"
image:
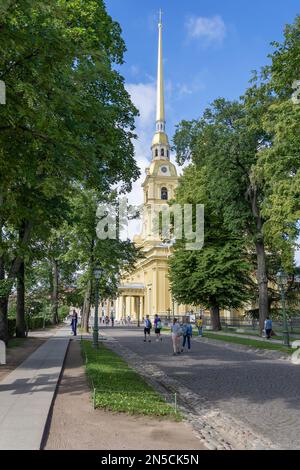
{"points": [[259, 391], [26, 394]]}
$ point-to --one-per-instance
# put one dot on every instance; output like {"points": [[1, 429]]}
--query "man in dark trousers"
{"points": [[74, 322]]}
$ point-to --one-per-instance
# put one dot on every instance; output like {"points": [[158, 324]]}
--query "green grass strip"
{"points": [[118, 387], [248, 342]]}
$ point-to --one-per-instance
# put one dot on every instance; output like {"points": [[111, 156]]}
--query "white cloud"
{"points": [[212, 30], [143, 96]]}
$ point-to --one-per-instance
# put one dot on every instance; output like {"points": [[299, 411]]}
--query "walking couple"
{"points": [[178, 331], [157, 328]]}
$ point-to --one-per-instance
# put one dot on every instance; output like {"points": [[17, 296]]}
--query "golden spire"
{"points": [[160, 106], [160, 143]]}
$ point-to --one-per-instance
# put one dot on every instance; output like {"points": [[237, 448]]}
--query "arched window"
{"points": [[162, 152], [156, 153], [164, 194], [168, 153]]}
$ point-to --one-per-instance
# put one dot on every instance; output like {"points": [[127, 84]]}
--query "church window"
{"points": [[164, 194], [168, 153], [156, 153], [162, 152]]}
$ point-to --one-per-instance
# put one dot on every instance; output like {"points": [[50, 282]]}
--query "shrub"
{"points": [[11, 327]]}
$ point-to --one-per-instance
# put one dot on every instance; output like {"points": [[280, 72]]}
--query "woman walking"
{"points": [[176, 333]]}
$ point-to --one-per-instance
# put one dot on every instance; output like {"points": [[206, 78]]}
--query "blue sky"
{"points": [[210, 48]]}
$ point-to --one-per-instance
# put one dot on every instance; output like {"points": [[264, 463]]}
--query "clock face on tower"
{"points": [[164, 169]]}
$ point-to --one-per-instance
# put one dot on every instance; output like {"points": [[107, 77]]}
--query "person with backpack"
{"points": [[268, 327], [176, 334], [147, 329], [187, 332], [157, 327]]}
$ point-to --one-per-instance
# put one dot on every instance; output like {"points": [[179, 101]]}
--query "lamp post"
{"points": [[139, 312], [169, 313], [97, 275], [282, 280]]}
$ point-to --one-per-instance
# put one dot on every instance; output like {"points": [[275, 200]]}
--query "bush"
{"points": [[11, 327], [63, 312], [35, 323]]}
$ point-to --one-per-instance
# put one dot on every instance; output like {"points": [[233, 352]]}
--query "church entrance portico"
{"points": [[130, 303]]}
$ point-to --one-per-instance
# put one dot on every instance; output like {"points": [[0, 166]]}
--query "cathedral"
{"points": [[146, 291]]}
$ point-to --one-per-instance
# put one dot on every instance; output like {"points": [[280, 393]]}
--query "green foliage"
{"points": [[68, 123], [245, 159], [118, 387], [219, 274], [11, 327], [63, 312], [38, 322]]}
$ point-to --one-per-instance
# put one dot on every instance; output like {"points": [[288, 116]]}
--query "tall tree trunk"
{"points": [[54, 297], [20, 317], [3, 304], [261, 274], [262, 280], [12, 272], [3, 319], [3, 293], [87, 307], [215, 317]]}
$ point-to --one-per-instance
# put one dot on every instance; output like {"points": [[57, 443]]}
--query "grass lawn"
{"points": [[120, 388], [248, 342], [15, 342]]}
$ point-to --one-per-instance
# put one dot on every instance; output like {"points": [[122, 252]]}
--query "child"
{"points": [[147, 329], [158, 327]]}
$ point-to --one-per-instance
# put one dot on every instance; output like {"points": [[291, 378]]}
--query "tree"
{"points": [[113, 256], [219, 275], [68, 119], [226, 140], [279, 165]]}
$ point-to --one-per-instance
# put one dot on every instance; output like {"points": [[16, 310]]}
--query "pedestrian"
{"points": [[157, 327], [112, 319], [107, 320], [187, 333], [199, 325], [147, 329], [268, 327], [176, 334], [74, 322], [128, 319]]}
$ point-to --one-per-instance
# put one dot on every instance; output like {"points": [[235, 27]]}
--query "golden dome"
{"points": [[160, 138]]}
